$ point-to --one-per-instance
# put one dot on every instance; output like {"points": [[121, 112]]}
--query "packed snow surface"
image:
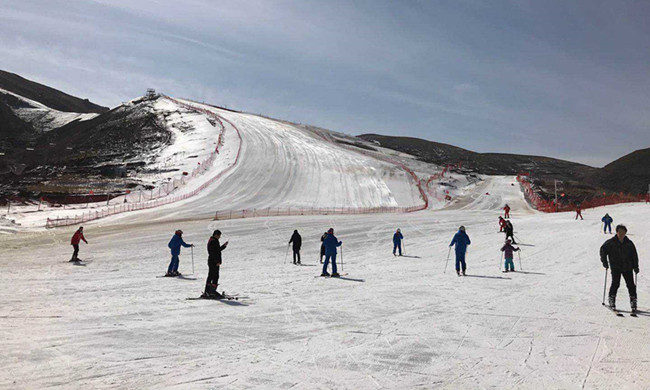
{"points": [[391, 322]]}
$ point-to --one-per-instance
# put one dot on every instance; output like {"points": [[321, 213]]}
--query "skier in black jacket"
{"points": [[510, 232], [322, 246], [297, 243], [214, 263], [623, 259]]}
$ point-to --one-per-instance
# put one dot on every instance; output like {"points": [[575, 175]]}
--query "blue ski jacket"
{"points": [[330, 243], [175, 244], [397, 237], [607, 219], [461, 239]]}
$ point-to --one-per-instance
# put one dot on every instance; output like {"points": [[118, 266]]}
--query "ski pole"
{"points": [[519, 254], [447, 262], [341, 258], [286, 254], [192, 250], [500, 261], [404, 245], [605, 287]]}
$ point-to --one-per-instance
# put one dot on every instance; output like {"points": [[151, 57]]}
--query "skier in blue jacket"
{"points": [[330, 243], [461, 240], [607, 221], [397, 242], [175, 245]]}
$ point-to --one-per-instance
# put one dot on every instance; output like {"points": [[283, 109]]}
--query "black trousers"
{"points": [[76, 250], [616, 282], [296, 253], [213, 278]]}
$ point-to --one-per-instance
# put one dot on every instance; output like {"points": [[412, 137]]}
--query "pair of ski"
{"points": [[618, 313], [331, 277], [218, 297]]}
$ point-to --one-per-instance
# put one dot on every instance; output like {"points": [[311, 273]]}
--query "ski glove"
{"points": [[605, 265], [636, 270]]}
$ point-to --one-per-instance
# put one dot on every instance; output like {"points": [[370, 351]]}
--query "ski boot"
{"points": [[464, 273], [612, 302], [458, 273], [335, 275], [325, 274], [633, 304]]}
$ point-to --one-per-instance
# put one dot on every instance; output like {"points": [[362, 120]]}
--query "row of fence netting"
{"points": [[549, 206], [147, 204], [296, 211]]}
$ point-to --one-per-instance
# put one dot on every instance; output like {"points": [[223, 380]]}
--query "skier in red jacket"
{"points": [[506, 210], [578, 212], [76, 238], [502, 224]]}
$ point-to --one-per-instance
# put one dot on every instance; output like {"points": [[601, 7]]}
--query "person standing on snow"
{"points": [[330, 243], [623, 259], [461, 240], [296, 239], [322, 246], [76, 238], [397, 242], [510, 232], [607, 221], [175, 245], [579, 212], [509, 254], [214, 264], [502, 224], [506, 211]]}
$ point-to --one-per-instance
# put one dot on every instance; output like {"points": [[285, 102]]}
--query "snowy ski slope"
{"points": [[392, 322]]}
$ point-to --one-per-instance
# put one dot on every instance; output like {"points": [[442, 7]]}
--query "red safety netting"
{"points": [[549, 206]]}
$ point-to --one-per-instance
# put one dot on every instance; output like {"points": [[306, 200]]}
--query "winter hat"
{"points": [[508, 241], [398, 229], [216, 232], [179, 232], [330, 231], [462, 228]]}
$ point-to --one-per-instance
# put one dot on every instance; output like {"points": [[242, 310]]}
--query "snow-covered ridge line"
{"points": [[135, 206], [44, 117]]}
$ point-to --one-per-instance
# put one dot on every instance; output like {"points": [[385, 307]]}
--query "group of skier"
{"points": [[618, 254]]}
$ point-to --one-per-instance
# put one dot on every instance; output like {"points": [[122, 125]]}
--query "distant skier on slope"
{"points": [[76, 238], [579, 211], [397, 242], [506, 211], [607, 223], [623, 259], [214, 264], [510, 232], [461, 240], [330, 243], [509, 250], [296, 239], [502, 224], [322, 246], [175, 245]]}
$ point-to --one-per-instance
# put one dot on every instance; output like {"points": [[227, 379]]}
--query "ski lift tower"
{"points": [[151, 94]]}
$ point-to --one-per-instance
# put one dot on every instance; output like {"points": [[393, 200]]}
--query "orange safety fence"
{"points": [[295, 211]]}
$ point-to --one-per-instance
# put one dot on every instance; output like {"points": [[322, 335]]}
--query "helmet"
{"points": [[179, 232], [508, 241], [331, 230], [398, 229], [462, 228]]}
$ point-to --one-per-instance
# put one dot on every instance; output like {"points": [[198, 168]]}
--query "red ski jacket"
{"points": [[78, 236]]}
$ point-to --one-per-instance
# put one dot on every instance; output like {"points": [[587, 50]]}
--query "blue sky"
{"points": [[566, 79]]}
